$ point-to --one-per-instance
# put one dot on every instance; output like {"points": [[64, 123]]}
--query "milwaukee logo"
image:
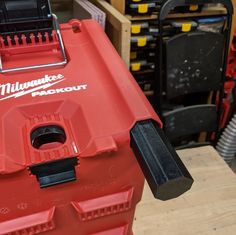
{"points": [[59, 90], [18, 89]]}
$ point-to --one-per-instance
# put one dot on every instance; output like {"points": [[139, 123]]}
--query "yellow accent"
{"points": [[133, 55], [142, 42], [135, 29], [135, 67], [193, 7], [137, 0], [186, 27], [142, 8]]}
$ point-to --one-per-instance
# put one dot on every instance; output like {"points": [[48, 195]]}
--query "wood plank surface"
{"points": [[119, 5], [118, 29], [209, 208]]}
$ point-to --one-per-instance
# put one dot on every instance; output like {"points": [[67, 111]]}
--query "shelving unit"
{"points": [[213, 11], [118, 24], [118, 29], [205, 11]]}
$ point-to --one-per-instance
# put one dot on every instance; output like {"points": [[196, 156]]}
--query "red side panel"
{"points": [[29, 225], [116, 231]]}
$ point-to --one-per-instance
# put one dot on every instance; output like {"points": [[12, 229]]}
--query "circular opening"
{"points": [[76, 28], [48, 137]]}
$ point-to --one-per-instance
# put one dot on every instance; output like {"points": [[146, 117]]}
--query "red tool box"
{"points": [[77, 135]]}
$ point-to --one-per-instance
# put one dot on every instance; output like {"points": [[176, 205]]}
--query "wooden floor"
{"points": [[208, 208]]}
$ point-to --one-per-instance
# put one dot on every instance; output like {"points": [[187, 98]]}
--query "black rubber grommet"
{"points": [[47, 134]]}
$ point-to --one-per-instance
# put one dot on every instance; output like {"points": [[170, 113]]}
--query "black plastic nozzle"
{"points": [[163, 169]]}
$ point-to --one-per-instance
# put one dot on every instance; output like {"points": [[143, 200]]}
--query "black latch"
{"points": [[55, 172], [25, 17]]}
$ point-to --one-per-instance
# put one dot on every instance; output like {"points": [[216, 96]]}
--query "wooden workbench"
{"points": [[208, 208]]}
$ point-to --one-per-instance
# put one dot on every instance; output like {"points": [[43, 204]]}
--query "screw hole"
{"points": [[76, 29]]}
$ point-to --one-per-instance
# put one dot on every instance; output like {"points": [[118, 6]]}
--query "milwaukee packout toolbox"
{"points": [[77, 136]]}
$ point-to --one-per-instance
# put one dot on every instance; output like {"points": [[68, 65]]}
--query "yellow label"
{"points": [[142, 42], [142, 8], [135, 67], [137, 0], [133, 55], [193, 7], [186, 27], [135, 29]]}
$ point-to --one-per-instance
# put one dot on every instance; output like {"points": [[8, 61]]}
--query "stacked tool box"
{"points": [[143, 44], [151, 7], [141, 7]]}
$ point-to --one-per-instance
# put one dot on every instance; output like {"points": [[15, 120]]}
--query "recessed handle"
{"points": [[163, 169]]}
